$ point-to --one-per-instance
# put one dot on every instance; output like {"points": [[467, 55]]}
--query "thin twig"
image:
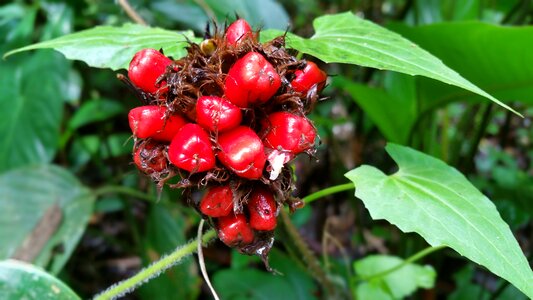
{"points": [[208, 11], [201, 261], [131, 12]]}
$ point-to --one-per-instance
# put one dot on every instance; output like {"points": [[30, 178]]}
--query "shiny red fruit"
{"points": [[191, 149], [308, 77], [149, 157], [288, 132], [146, 67], [262, 209], [241, 151], [217, 114], [149, 122], [251, 80], [233, 230], [217, 202], [238, 31]]}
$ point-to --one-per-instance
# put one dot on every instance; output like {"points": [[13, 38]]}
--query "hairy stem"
{"points": [[153, 270], [409, 260]]}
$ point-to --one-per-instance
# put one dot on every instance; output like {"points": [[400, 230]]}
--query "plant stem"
{"points": [[132, 13], [172, 259], [116, 189], [312, 262], [409, 260], [328, 191], [208, 11], [503, 285], [485, 120], [153, 270]]}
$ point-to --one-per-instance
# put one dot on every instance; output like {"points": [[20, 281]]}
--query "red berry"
{"points": [[241, 150], [238, 31], [149, 157], [191, 149], [288, 132], [149, 122], [262, 209], [217, 202], [217, 114], [308, 77], [146, 67], [287, 135], [233, 230], [251, 80]]}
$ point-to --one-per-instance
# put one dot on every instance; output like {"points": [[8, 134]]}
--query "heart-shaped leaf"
{"points": [[396, 285], [430, 198]]}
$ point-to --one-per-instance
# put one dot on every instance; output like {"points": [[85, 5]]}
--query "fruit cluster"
{"points": [[227, 118]]}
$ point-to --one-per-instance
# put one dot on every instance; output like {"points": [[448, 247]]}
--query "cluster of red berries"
{"points": [[227, 118]]}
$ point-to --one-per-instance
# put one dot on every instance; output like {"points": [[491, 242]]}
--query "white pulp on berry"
{"points": [[277, 159]]}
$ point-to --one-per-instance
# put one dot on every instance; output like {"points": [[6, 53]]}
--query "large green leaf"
{"points": [[114, 47], [346, 38], [430, 198], [32, 108], [19, 280], [398, 284], [27, 193], [493, 57]]}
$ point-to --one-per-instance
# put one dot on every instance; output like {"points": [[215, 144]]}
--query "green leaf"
{"points": [[19, 280], [96, 148], [393, 108], [33, 108], [16, 25], [114, 47], [430, 198], [491, 56], [164, 232], [400, 283], [27, 193], [94, 110], [372, 290], [246, 283], [346, 38]]}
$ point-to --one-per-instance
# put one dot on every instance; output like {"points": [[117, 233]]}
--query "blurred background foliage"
{"points": [[66, 148]]}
